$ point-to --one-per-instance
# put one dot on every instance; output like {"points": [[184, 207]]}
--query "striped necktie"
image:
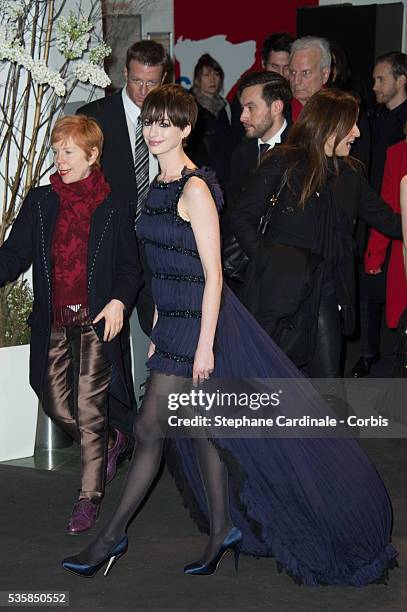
{"points": [[141, 168]]}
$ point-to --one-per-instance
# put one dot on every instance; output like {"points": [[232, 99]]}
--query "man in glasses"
{"points": [[129, 168]]}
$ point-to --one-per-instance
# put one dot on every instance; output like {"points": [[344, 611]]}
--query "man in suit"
{"points": [[128, 167], [264, 97], [390, 88], [275, 57]]}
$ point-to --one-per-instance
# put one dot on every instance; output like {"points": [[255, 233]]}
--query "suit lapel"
{"points": [[101, 219]]}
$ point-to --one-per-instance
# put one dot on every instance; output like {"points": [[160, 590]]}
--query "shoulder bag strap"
{"points": [[266, 218]]}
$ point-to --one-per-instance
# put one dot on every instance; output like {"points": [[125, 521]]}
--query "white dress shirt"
{"points": [[132, 114], [276, 139]]}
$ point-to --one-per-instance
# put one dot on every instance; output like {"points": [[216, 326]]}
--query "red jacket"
{"points": [[396, 290]]}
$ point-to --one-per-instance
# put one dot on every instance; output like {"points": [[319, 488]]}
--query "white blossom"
{"points": [[12, 9], [73, 35], [86, 71], [98, 53]]}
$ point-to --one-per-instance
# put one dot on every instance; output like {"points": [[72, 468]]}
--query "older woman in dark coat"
{"points": [[80, 240]]}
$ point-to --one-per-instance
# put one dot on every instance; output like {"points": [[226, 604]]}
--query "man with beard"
{"points": [[264, 97]]}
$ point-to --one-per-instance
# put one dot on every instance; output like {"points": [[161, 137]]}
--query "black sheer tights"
{"points": [[150, 429]]}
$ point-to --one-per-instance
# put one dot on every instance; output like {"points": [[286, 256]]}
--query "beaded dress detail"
{"points": [[317, 505]]}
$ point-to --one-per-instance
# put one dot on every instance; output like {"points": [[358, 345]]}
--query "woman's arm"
{"points": [[151, 348], [252, 203], [197, 206], [403, 208], [16, 252], [128, 280]]}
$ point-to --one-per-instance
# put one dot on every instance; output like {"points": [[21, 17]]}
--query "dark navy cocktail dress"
{"points": [[317, 505]]}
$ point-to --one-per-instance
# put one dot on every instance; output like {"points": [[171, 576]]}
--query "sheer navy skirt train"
{"points": [[318, 506]]}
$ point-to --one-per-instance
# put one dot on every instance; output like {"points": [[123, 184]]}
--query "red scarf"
{"points": [[77, 202]]}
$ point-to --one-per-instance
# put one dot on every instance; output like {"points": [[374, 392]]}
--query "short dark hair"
{"points": [[207, 61], [280, 41], [397, 61], [149, 53], [172, 101], [275, 86]]}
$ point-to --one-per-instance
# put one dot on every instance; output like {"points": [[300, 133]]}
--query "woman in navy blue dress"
{"points": [[317, 505]]}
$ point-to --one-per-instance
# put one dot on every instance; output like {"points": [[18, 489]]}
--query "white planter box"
{"points": [[18, 404]]}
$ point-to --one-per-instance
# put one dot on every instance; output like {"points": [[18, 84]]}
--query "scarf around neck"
{"points": [[213, 104], [77, 203]]}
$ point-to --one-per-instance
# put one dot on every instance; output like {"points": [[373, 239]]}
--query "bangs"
{"points": [[155, 111], [170, 102]]}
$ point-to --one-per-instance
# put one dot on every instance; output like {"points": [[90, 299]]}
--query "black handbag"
{"points": [[234, 260]]}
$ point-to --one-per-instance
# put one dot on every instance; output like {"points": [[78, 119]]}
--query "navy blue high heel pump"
{"points": [[71, 564], [233, 541]]}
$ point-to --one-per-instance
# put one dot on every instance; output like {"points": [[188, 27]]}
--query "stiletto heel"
{"points": [[85, 570], [233, 541], [112, 561]]}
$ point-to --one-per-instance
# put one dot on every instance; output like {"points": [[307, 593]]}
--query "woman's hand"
{"points": [[151, 350], [203, 364], [112, 313]]}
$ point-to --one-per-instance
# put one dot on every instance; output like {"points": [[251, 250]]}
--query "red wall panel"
{"points": [[238, 21]]}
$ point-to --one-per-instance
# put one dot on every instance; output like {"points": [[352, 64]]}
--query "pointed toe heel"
{"points": [[232, 542], [85, 570]]}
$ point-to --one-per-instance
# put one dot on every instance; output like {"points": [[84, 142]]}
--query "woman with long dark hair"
{"points": [[325, 192], [317, 505]]}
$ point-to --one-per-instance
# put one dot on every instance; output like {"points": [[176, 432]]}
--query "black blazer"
{"points": [[210, 142], [243, 162], [300, 228], [118, 167], [113, 273], [117, 157]]}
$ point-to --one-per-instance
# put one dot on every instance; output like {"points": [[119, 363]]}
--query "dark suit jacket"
{"points": [[113, 273], [117, 157], [118, 167], [302, 228], [243, 162]]}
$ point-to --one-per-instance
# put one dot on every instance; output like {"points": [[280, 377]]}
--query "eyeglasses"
{"points": [[147, 84]]}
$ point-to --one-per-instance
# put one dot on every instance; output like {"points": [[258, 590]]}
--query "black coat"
{"points": [[118, 167], [113, 273], [210, 142], [302, 228], [244, 161]]}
